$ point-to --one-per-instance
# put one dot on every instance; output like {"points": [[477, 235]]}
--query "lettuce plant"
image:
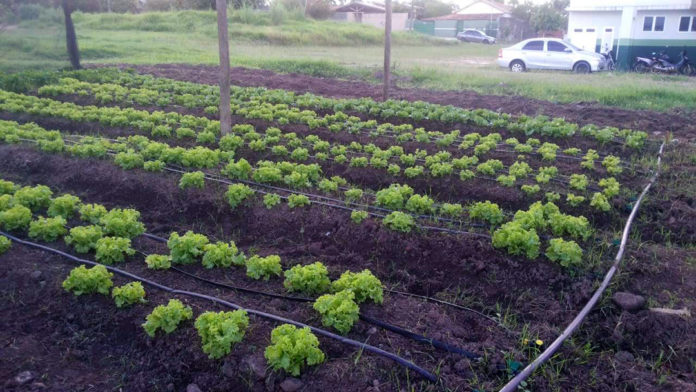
{"points": [[110, 250], [566, 253], [487, 212], [186, 249], [263, 267], [358, 216], [89, 281], [158, 261], [5, 244], [47, 229], [517, 240], [399, 221], [15, 218], [222, 254], [292, 349], [338, 310], [35, 198], [237, 193], [364, 284], [167, 318], [129, 294], [192, 180], [219, 330], [92, 213], [65, 206], [122, 223], [308, 279]]}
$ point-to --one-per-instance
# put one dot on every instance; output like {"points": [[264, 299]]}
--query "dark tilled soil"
{"points": [[681, 124]]}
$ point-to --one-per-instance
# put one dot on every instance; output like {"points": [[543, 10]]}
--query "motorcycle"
{"points": [[644, 64], [661, 63], [664, 65], [609, 58]]}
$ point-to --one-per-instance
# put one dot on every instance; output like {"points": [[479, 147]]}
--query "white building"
{"points": [[633, 27]]}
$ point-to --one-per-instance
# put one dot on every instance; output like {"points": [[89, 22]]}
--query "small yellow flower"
{"points": [[539, 342], [525, 342]]}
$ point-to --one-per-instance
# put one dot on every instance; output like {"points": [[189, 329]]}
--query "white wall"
{"points": [[640, 4], [599, 21], [671, 30]]}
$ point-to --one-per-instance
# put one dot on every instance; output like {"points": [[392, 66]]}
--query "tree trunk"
{"points": [[387, 47], [225, 115], [70, 37]]}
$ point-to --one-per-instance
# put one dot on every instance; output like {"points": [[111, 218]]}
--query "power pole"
{"points": [[70, 36], [387, 46], [223, 41]]}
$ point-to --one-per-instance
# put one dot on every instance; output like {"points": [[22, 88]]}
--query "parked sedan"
{"points": [[475, 36], [549, 53]]}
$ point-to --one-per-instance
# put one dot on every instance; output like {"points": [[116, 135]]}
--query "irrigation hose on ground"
{"points": [[390, 327], [364, 346], [512, 385]]}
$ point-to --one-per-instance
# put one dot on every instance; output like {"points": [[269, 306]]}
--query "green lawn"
{"points": [[294, 46]]}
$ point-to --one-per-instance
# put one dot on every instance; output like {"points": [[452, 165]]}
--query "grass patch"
{"points": [[322, 48]]}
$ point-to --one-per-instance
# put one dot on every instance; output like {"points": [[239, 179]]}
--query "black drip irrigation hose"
{"points": [[390, 327], [364, 346], [513, 384]]}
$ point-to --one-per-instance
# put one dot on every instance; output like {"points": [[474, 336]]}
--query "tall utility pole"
{"points": [[223, 41], [70, 36], [387, 46]]}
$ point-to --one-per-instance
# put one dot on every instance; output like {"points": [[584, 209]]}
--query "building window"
{"points": [[608, 30], [578, 30], [686, 23], [647, 23], [590, 30], [658, 25]]}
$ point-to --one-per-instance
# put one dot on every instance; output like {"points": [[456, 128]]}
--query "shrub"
{"points": [[222, 254], [517, 240], [291, 349], [34, 198], [167, 318], [358, 216], [92, 213], [112, 250], [129, 294], [566, 253], [186, 249], [263, 267], [218, 330], [363, 284], [15, 218], [309, 279], [297, 201], [271, 200], [64, 206], [192, 180], [47, 229], [399, 221], [237, 193], [5, 244], [486, 211], [338, 310], [89, 281], [158, 261]]}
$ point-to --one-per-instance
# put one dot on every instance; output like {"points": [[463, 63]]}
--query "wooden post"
{"points": [[387, 47], [70, 37], [223, 40]]}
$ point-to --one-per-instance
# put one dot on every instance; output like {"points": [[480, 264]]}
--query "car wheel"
{"points": [[582, 68], [486, 42], [517, 66]]}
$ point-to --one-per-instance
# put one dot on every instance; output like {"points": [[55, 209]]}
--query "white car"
{"points": [[549, 53]]}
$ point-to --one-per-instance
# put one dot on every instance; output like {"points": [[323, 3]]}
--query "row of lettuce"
{"points": [[287, 107], [109, 233], [290, 146]]}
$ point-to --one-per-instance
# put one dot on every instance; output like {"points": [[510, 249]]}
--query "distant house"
{"points": [[633, 27], [483, 15], [370, 14]]}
